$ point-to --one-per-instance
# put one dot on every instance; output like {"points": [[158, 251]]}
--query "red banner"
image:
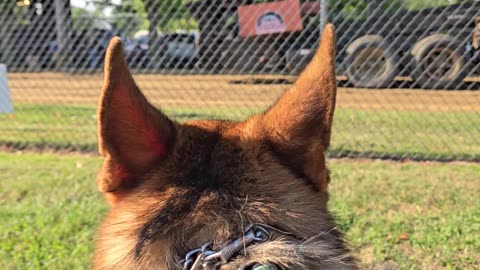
{"points": [[268, 18]]}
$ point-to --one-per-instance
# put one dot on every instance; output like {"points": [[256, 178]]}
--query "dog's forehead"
{"points": [[209, 147], [212, 131], [217, 126]]}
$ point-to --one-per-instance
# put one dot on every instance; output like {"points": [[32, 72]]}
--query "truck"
{"points": [[223, 47], [435, 47]]}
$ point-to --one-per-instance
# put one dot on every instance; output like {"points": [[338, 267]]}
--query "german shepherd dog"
{"points": [[214, 194]]}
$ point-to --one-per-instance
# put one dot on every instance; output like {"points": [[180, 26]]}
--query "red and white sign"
{"points": [[269, 18]]}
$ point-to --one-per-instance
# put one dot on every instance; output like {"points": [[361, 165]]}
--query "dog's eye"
{"points": [[268, 266]]}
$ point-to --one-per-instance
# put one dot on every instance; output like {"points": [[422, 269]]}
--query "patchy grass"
{"points": [[49, 208], [406, 215], [417, 135], [414, 215]]}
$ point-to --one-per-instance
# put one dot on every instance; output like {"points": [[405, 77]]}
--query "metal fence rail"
{"points": [[408, 71]]}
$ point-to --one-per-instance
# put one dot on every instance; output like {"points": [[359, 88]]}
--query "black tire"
{"points": [[370, 63], [439, 62]]}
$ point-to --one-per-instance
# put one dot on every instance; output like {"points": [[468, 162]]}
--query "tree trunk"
{"points": [[64, 31], [152, 8]]}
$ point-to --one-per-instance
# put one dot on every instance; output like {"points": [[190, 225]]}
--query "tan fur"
{"points": [[174, 187]]}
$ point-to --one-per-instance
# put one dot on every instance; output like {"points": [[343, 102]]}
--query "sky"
{"points": [[83, 3], [78, 3]]}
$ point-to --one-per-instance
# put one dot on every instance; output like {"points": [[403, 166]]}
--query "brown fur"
{"points": [[173, 187]]}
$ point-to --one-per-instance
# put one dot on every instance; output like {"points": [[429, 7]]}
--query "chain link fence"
{"points": [[408, 71]]}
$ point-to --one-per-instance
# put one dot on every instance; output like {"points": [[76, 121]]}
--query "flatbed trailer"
{"points": [[222, 48], [434, 46]]}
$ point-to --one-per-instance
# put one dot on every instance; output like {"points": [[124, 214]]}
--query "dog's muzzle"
{"points": [[204, 258]]}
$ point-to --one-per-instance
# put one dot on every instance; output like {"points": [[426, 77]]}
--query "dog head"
{"points": [[174, 186]]}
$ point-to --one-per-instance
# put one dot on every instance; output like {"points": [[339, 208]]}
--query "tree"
{"points": [[165, 15], [418, 4], [128, 16], [153, 15], [355, 8]]}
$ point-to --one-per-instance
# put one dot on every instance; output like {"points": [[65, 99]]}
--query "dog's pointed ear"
{"points": [[306, 110], [132, 133], [301, 120]]}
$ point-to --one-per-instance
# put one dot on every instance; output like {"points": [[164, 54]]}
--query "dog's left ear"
{"points": [[132, 133], [299, 124]]}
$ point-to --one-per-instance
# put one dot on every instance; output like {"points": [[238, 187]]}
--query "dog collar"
{"points": [[204, 258]]}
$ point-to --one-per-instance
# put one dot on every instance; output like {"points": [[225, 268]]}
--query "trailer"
{"points": [[230, 40], [437, 47]]}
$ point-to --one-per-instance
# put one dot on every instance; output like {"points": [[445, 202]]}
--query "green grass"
{"points": [[406, 215], [59, 126], [49, 208], [422, 135], [414, 215]]}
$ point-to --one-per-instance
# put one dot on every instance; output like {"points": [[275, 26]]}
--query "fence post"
{"points": [[323, 14]]}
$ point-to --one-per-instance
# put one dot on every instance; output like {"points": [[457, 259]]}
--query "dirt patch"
{"points": [[229, 90]]}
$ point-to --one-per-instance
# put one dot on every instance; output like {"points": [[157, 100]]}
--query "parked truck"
{"points": [[437, 47], [433, 46]]}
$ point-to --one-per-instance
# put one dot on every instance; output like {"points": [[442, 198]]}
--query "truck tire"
{"points": [[439, 62], [370, 63]]}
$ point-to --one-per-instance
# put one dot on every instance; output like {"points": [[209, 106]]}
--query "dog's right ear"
{"points": [[132, 133], [299, 125]]}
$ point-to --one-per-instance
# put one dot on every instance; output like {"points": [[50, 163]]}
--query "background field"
{"points": [[230, 90], [404, 161], [395, 215], [403, 215], [57, 111]]}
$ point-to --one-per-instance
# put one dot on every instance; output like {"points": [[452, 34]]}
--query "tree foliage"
{"points": [[154, 15], [362, 8]]}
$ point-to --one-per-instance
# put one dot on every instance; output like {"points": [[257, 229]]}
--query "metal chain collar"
{"points": [[204, 258]]}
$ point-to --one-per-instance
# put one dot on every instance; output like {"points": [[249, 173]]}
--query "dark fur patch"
{"points": [[207, 167], [210, 162], [176, 209]]}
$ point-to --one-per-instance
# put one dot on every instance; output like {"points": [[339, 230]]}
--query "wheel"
{"points": [[370, 63], [439, 62]]}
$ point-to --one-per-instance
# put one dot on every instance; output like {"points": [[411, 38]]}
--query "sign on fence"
{"points": [[269, 18], [5, 101]]}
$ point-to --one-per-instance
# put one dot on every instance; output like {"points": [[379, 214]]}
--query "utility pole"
{"points": [[63, 27], [323, 14]]}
